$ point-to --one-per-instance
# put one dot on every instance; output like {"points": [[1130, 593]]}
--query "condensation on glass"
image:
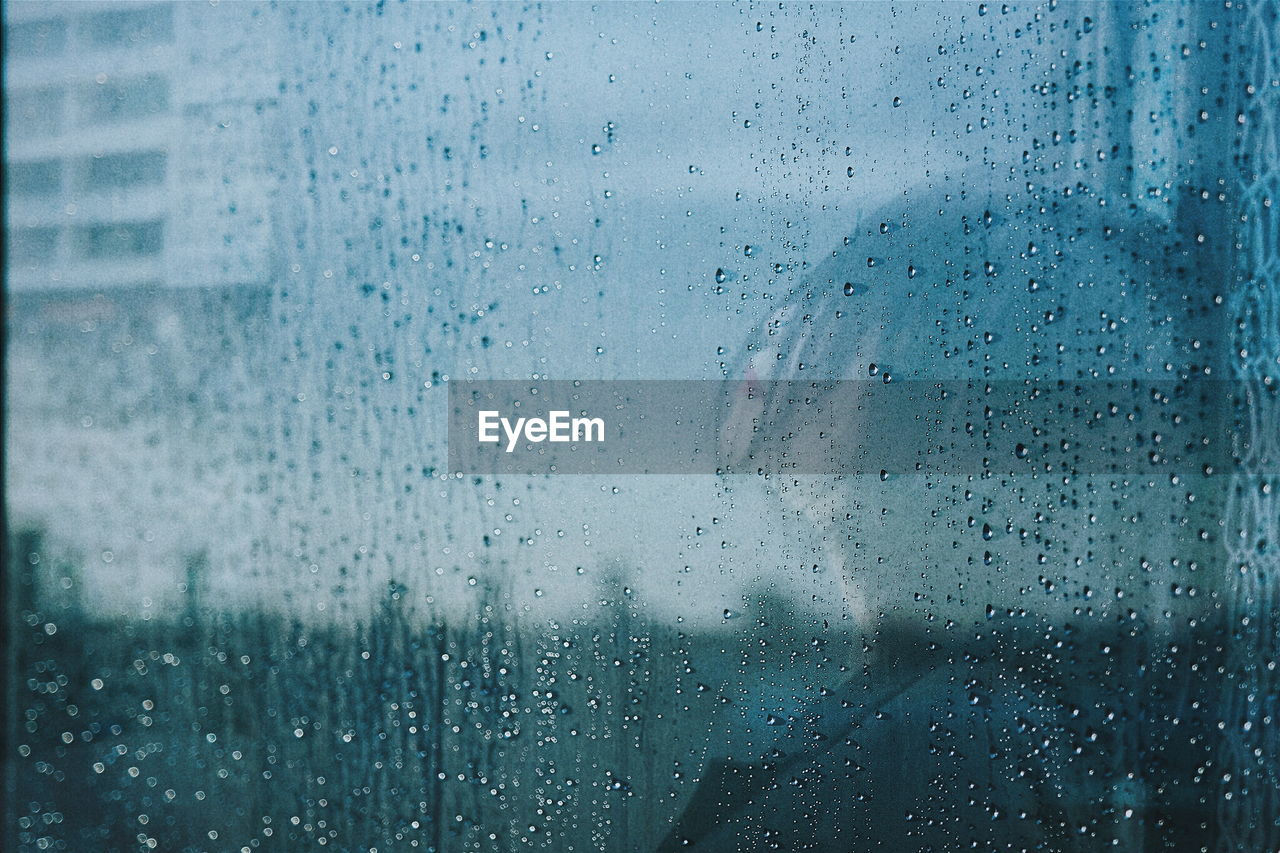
{"points": [[248, 247]]}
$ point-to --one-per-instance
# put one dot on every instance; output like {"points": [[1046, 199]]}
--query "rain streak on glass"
{"points": [[251, 606]]}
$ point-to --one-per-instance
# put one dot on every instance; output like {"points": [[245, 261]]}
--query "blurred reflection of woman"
{"points": [[1091, 256]]}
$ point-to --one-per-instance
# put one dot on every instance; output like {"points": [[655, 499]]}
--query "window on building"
{"points": [[124, 170], [124, 99], [34, 178], [32, 39], [28, 246], [35, 113], [129, 27], [120, 240]]}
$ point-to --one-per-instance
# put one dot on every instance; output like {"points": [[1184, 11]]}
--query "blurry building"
{"points": [[138, 244], [130, 167]]}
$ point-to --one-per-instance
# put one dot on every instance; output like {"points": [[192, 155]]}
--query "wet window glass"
{"points": [[641, 427]]}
